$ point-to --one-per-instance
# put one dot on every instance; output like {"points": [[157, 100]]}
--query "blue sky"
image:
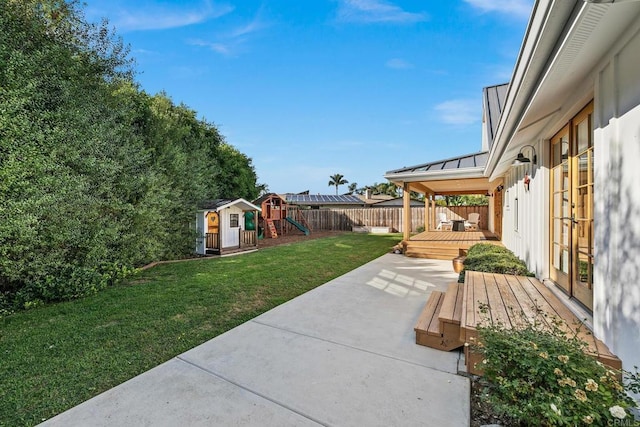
{"points": [[310, 88]]}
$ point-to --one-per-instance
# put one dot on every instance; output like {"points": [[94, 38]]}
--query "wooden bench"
{"points": [[513, 300]]}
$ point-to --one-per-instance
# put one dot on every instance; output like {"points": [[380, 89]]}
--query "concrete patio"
{"points": [[343, 354]]}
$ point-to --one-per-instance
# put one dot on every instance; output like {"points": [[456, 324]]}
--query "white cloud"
{"points": [[144, 52], [222, 48], [159, 18], [374, 11], [398, 64], [252, 27], [231, 42], [459, 112], [521, 8]]}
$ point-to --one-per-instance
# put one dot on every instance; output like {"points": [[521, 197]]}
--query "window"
{"points": [[234, 220]]}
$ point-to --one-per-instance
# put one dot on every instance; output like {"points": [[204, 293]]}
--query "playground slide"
{"points": [[299, 226]]}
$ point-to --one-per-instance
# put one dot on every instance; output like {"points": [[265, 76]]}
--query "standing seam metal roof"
{"points": [[494, 98], [475, 160]]}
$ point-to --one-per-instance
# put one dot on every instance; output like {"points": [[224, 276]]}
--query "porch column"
{"points": [[406, 204], [426, 211], [433, 211]]}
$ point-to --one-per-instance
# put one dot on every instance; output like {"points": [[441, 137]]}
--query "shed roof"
{"points": [[217, 204]]}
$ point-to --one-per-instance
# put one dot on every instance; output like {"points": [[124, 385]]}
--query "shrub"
{"points": [[490, 258], [538, 375]]}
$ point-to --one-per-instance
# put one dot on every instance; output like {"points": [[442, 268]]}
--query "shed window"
{"points": [[233, 220]]}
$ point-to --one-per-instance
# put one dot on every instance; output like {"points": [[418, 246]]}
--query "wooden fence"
{"points": [[344, 219]]}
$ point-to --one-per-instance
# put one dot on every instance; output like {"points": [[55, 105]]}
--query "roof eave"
{"points": [[439, 175], [548, 17]]}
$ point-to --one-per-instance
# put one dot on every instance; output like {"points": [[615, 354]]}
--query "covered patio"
{"points": [[456, 176]]}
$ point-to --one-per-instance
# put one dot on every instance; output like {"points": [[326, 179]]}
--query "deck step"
{"points": [[435, 329], [451, 311], [432, 253], [428, 320]]}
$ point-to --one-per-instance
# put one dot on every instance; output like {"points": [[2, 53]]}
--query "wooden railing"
{"points": [[248, 238], [213, 241]]}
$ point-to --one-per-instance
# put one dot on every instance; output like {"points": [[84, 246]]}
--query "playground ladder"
{"points": [[272, 229]]}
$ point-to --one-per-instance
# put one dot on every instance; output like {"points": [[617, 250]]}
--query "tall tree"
{"points": [[337, 180], [353, 187]]}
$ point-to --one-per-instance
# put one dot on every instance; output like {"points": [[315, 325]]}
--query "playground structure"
{"points": [[278, 218]]}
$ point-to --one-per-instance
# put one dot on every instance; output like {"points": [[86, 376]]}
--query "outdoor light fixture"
{"points": [[521, 159]]}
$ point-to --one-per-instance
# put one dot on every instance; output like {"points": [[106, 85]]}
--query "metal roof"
{"points": [[476, 160], [493, 98], [323, 199]]}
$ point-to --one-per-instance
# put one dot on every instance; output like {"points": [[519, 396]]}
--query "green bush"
{"points": [[538, 375], [490, 258]]}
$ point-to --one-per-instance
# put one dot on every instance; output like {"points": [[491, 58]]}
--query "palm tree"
{"points": [[262, 189], [337, 180], [353, 187]]}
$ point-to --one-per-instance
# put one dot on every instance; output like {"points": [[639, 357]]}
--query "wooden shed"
{"points": [[226, 225]]}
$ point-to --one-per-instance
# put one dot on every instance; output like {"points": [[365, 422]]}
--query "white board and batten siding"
{"points": [[617, 204], [614, 86]]}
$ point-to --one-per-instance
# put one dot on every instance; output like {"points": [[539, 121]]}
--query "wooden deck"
{"points": [[446, 244], [450, 319]]}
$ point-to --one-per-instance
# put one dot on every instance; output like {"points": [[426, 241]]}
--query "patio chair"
{"points": [[443, 222], [472, 222]]}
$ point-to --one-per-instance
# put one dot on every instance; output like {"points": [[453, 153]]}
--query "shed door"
{"points": [[230, 227]]}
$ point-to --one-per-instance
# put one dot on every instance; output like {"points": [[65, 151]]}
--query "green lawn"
{"points": [[55, 357]]}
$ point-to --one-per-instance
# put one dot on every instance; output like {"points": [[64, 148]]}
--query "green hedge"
{"points": [[97, 177], [490, 258]]}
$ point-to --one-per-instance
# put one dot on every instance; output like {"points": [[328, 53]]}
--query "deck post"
{"points": [[433, 211], [406, 214], [426, 211]]}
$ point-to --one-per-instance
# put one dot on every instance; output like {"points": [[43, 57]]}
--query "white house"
{"points": [[572, 212], [226, 225]]}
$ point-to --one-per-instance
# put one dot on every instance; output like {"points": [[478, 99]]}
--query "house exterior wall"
{"points": [[200, 232], [526, 213], [616, 312], [615, 88]]}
